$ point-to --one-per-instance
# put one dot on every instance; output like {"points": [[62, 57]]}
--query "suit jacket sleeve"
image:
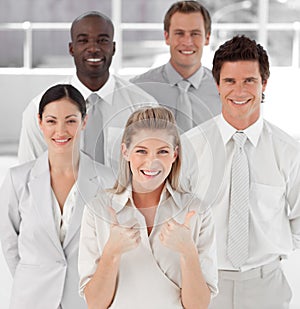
{"points": [[9, 222]]}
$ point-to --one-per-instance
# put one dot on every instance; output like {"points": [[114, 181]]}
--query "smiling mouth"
{"points": [[61, 141], [187, 52], [240, 102], [95, 60], [150, 173]]}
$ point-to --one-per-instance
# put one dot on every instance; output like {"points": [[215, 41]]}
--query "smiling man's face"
{"points": [[241, 89], [186, 38]]}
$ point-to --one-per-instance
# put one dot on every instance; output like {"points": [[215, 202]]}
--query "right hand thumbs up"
{"points": [[122, 238]]}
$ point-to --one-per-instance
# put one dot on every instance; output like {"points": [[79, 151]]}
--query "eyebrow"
{"points": [[86, 35], [51, 116], [143, 147]]}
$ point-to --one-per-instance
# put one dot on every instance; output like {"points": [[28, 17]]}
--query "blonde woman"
{"points": [[145, 243]]}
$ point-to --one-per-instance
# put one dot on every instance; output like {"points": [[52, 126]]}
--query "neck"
{"points": [[185, 71], [64, 162], [94, 83], [147, 199]]}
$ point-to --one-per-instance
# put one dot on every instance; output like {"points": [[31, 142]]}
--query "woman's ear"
{"points": [[175, 155], [84, 121], [124, 151]]}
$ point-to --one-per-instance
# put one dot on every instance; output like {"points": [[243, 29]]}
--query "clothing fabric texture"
{"points": [[161, 83], [62, 217], [121, 98], [264, 287], [238, 223], [149, 276], [274, 164], [44, 270]]}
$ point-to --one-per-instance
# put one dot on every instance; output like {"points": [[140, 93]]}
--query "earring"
{"points": [[263, 98]]}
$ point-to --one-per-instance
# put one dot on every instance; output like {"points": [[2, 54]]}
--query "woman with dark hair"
{"points": [[42, 205]]}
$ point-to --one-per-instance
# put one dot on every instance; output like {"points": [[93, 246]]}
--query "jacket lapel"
{"points": [[87, 187], [40, 190]]}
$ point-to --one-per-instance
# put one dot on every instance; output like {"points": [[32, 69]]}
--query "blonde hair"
{"points": [[149, 118]]}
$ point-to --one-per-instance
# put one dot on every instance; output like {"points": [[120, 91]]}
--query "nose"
{"points": [[187, 39], [94, 46], [151, 159], [60, 128], [239, 88]]}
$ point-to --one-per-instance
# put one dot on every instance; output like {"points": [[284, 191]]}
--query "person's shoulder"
{"points": [[20, 173], [207, 127], [101, 171], [281, 137], [99, 204], [136, 94], [35, 101], [152, 75], [192, 202]]}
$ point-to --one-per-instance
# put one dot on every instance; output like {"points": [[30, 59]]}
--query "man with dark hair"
{"points": [[255, 194], [110, 99], [184, 84]]}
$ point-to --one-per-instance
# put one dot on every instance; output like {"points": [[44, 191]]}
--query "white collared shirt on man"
{"points": [[274, 163]]}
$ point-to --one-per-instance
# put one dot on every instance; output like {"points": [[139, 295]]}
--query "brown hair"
{"points": [[241, 48], [187, 7]]}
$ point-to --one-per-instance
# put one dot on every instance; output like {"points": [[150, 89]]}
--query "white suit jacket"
{"points": [[121, 102], [45, 272]]}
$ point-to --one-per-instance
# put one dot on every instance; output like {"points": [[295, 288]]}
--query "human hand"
{"points": [[124, 237], [177, 237]]}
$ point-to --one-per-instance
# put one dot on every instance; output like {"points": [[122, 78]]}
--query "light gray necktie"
{"points": [[238, 230], [93, 135], [184, 115]]}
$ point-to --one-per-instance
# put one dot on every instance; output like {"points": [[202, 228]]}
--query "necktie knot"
{"points": [[239, 139], [184, 85], [93, 99]]}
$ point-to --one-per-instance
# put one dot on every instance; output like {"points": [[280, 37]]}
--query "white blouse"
{"points": [[149, 276], [62, 219]]}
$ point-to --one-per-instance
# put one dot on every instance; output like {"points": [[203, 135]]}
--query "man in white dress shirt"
{"points": [[92, 48], [266, 213]]}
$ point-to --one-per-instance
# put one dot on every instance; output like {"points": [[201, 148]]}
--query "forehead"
{"points": [[92, 24], [192, 20], [235, 69], [62, 106], [145, 137]]}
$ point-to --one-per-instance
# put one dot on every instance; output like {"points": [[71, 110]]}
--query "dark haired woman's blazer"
{"points": [[44, 271]]}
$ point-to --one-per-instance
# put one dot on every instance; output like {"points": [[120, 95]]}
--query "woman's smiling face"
{"points": [[151, 155]]}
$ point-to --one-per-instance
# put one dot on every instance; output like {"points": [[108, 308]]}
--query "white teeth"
{"points": [[61, 140], [187, 52], [151, 173], [240, 102], [94, 59]]}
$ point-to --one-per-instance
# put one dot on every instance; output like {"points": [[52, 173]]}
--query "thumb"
{"points": [[188, 217], [113, 216]]}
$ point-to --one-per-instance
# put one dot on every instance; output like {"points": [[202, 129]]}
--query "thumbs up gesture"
{"points": [[176, 236], [124, 237]]}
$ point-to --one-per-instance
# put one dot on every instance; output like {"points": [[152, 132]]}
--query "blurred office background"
{"points": [[34, 38]]}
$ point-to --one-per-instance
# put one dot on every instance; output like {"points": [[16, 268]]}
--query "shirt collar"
{"points": [[119, 201], [174, 77], [105, 92], [227, 130]]}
